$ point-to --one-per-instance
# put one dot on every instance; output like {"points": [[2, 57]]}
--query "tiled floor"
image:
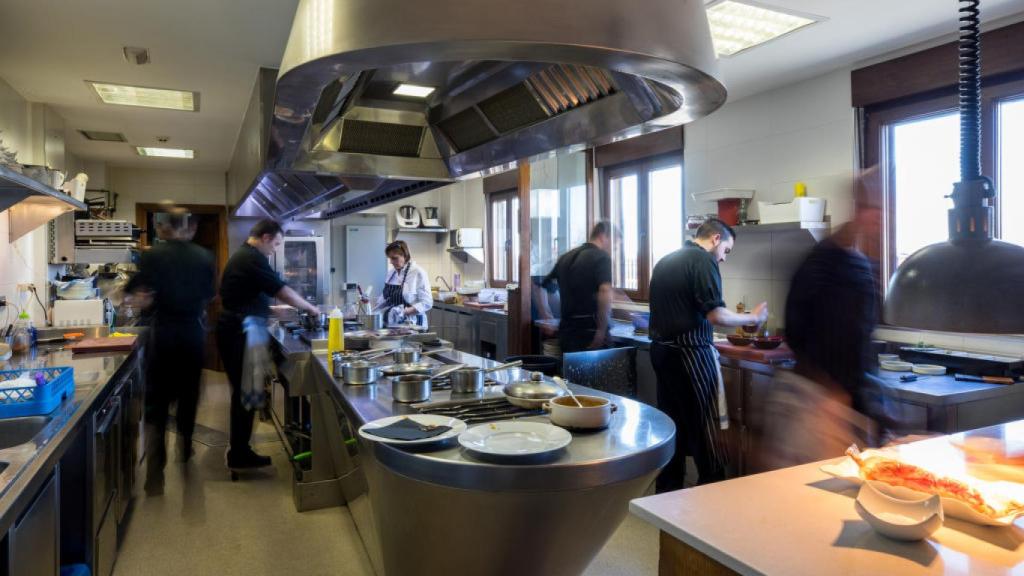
{"points": [[206, 524]]}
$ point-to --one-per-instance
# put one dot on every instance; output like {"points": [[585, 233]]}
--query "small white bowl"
{"points": [[899, 514], [896, 366]]}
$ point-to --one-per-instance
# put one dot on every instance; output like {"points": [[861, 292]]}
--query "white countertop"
{"points": [[801, 521]]}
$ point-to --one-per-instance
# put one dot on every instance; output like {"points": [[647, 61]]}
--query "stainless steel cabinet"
{"points": [[466, 339], [35, 538]]}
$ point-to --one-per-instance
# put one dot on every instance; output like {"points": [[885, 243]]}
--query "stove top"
{"points": [[478, 410], [445, 383]]}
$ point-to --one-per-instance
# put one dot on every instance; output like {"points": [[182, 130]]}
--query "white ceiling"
{"points": [[48, 48]]}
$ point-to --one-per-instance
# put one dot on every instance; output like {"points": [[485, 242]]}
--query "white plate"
{"points": [[896, 366], [458, 427], [929, 369], [515, 438]]}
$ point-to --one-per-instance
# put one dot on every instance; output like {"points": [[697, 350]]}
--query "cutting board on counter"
{"points": [[97, 345], [780, 354]]}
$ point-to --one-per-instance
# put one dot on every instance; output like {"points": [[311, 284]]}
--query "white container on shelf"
{"points": [[799, 210]]}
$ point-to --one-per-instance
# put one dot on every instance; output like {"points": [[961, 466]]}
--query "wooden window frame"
{"points": [[642, 168], [877, 129], [510, 220]]}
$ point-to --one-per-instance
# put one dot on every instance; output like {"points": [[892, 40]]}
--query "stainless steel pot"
{"points": [[412, 355], [338, 361], [371, 321], [470, 380], [360, 372], [416, 387], [532, 393]]}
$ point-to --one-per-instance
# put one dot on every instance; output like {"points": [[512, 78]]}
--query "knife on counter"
{"points": [[986, 379]]}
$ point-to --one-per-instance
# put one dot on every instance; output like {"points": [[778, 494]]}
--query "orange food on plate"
{"points": [[899, 473]]}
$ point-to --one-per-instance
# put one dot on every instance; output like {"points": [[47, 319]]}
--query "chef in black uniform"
{"points": [[686, 300], [246, 288], [583, 277], [174, 283]]}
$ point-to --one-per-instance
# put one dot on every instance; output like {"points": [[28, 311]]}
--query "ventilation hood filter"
{"points": [[509, 81]]}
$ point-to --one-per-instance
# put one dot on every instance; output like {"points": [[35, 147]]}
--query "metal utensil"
{"points": [[565, 387], [470, 380], [360, 372]]}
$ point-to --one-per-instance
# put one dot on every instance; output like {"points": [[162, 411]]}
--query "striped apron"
{"points": [[700, 360]]}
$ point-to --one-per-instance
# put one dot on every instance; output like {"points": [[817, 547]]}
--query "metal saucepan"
{"points": [[416, 387], [532, 393], [470, 380], [313, 321], [411, 354], [360, 372], [371, 321]]}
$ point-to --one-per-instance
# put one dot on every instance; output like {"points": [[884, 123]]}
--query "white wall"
{"points": [[140, 185], [23, 261]]}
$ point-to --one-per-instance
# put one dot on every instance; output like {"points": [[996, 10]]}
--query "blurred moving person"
{"points": [[246, 288], [583, 279], [686, 301], [175, 283], [830, 400]]}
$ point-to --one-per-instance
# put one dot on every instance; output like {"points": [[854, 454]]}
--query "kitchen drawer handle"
{"points": [[115, 410]]}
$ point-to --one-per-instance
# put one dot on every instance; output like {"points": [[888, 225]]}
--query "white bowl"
{"points": [[900, 515], [896, 366]]}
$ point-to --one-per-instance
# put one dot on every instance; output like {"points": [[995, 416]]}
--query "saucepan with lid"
{"points": [[532, 393]]}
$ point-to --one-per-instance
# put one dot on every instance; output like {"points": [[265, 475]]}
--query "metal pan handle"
{"points": [[505, 366], [447, 370]]}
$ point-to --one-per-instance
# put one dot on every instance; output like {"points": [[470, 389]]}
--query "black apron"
{"points": [[393, 294]]}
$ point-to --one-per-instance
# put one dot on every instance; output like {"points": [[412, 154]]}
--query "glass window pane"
{"points": [[926, 156], [625, 216], [514, 216], [577, 215], [499, 240], [1011, 169], [665, 187]]}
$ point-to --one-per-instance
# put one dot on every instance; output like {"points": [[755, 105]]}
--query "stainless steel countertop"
{"points": [[28, 462], [639, 440]]}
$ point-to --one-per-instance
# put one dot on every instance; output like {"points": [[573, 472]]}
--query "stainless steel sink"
{"points": [[16, 431]]}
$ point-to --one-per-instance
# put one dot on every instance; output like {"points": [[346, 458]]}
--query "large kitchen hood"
{"points": [[506, 81]]}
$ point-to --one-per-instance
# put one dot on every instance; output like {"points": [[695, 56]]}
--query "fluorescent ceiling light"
{"points": [[147, 97], [414, 90], [736, 26], [165, 152]]}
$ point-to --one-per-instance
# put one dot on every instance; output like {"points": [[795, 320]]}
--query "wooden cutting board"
{"points": [[96, 345], [780, 354]]}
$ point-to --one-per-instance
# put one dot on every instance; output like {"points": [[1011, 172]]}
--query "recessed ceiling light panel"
{"points": [[413, 90], [163, 98], [165, 152], [737, 26], [100, 136]]}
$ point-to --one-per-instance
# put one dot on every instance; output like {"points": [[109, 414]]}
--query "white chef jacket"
{"points": [[416, 290]]}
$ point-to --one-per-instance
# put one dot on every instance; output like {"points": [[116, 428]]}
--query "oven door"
{"points": [[106, 455]]}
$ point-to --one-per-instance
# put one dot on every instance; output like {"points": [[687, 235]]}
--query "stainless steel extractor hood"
{"points": [[506, 81]]}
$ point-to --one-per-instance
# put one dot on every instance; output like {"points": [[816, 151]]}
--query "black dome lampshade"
{"points": [[971, 282]]}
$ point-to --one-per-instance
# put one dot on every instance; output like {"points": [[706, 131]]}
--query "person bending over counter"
{"points": [[246, 288]]}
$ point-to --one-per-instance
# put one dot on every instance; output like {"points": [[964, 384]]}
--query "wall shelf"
{"points": [[440, 232], [464, 254], [816, 229], [31, 204]]}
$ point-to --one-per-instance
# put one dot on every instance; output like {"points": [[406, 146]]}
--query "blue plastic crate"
{"points": [[36, 400]]}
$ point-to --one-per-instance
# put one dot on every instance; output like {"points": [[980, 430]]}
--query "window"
{"points": [[918, 146], [643, 200], [558, 209], [503, 223]]}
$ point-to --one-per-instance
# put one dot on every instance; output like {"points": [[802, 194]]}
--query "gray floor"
{"points": [[206, 524]]}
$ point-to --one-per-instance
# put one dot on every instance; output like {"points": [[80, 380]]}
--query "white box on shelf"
{"points": [[804, 209]]}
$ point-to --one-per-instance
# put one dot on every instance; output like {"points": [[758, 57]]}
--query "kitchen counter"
{"points": [[799, 521], [500, 508], [471, 309], [29, 463]]}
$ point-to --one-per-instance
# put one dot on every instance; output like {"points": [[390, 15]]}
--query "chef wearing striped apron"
{"points": [[406, 295], [686, 301]]}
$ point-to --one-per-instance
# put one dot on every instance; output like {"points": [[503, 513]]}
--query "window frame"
{"points": [[643, 168], [511, 219], [878, 134]]}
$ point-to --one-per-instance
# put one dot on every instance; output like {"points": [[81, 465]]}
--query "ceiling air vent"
{"points": [[466, 129], [99, 136], [384, 138]]}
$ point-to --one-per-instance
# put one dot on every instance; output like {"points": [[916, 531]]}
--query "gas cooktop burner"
{"points": [[445, 383], [477, 411]]}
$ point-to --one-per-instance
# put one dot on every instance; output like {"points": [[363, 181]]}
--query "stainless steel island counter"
{"points": [[444, 510]]}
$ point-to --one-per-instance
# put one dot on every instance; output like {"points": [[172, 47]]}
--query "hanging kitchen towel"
{"points": [[723, 408], [396, 316], [257, 367]]}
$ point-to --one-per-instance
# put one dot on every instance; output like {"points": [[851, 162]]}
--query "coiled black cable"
{"points": [[970, 90]]}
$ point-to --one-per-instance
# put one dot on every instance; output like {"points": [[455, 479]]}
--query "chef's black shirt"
{"points": [[685, 286], [578, 274], [248, 283], [180, 275]]}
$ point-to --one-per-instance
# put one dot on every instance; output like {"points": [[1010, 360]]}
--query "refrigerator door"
{"points": [[365, 263]]}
